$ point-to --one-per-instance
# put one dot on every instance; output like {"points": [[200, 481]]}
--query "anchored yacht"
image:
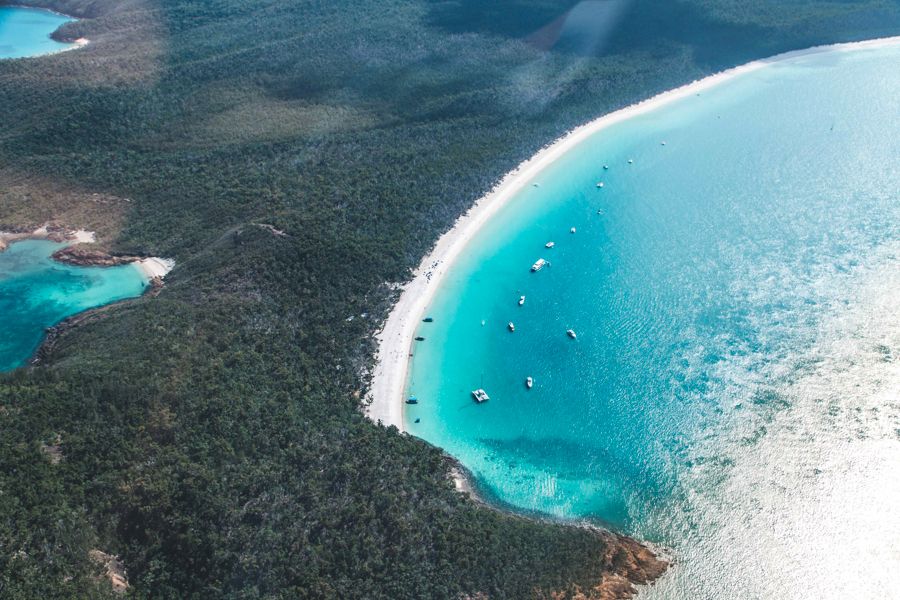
{"points": [[480, 395]]}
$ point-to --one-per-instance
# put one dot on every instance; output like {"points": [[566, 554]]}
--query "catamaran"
{"points": [[480, 395]]}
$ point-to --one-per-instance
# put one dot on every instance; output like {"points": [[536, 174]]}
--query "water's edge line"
{"points": [[151, 267], [384, 400], [73, 44]]}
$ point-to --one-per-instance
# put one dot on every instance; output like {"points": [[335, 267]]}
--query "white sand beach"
{"points": [[152, 267], [79, 236], [385, 396], [155, 267]]}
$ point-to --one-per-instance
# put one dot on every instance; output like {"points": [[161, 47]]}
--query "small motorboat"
{"points": [[419, 338], [662, 143], [480, 395], [599, 184], [428, 320], [571, 333], [549, 244], [418, 420], [529, 382], [572, 230], [412, 400], [630, 161], [521, 300], [511, 326], [606, 167]]}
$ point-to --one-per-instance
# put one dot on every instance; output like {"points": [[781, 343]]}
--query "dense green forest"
{"points": [[212, 436]]}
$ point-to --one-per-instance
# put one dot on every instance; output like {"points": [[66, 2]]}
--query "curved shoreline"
{"points": [[154, 268], [385, 395], [74, 44]]}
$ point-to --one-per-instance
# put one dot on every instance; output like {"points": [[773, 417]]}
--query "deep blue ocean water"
{"points": [[26, 32], [37, 292], [734, 390]]}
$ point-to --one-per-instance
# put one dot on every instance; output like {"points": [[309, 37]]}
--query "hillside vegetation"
{"points": [[212, 437]]}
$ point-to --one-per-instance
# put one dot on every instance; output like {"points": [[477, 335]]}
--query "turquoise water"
{"points": [[734, 390], [37, 292], [26, 32]]}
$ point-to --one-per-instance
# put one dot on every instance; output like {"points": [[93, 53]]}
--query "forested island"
{"points": [[297, 159]]}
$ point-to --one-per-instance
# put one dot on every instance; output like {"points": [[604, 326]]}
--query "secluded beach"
{"points": [[389, 378], [155, 267], [45, 232], [50, 283], [152, 267]]}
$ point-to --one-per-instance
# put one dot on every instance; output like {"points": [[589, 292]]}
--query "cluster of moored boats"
{"points": [[480, 395]]}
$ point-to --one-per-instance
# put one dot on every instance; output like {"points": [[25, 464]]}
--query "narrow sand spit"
{"points": [[395, 339]]}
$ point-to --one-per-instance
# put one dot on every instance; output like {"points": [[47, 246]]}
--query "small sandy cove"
{"points": [[44, 232], [151, 267], [385, 397]]}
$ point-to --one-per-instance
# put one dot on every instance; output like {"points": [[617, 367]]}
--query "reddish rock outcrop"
{"points": [[91, 258]]}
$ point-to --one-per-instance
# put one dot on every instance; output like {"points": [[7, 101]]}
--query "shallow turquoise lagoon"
{"points": [[26, 32], [37, 292], [734, 390]]}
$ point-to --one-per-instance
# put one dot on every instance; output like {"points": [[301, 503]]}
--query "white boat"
{"points": [[572, 230], [606, 167], [571, 333], [599, 184], [630, 161], [480, 395], [529, 382], [510, 326], [521, 300], [540, 264], [549, 244]]}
